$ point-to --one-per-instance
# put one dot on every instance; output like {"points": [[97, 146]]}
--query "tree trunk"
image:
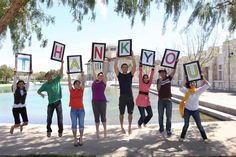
{"points": [[15, 7]]}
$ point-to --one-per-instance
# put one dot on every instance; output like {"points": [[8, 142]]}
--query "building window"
{"points": [[220, 72]]}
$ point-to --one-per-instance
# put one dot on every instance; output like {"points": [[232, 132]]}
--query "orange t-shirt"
{"points": [[76, 98]]}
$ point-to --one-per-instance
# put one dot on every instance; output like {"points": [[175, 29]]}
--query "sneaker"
{"points": [[169, 133], [59, 134], [48, 134], [161, 130], [206, 141], [76, 143], [181, 139]]}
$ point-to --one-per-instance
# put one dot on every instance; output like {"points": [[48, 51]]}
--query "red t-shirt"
{"points": [[76, 98]]}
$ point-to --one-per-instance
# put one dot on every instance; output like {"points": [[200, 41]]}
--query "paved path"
{"points": [[142, 142]]}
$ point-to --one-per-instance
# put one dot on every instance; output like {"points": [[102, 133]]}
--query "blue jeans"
{"points": [[51, 108], [145, 119], [77, 114], [162, 105], [196, 117]]}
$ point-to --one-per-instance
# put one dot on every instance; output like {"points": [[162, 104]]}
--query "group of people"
{"points": [[125, 75]]}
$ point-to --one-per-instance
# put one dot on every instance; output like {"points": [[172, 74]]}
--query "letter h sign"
{"points": [[98, 52], [58, 51]]}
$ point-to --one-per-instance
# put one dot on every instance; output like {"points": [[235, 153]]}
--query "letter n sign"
{"points": [[98, 52], [58, 51], [74, 64], [169, 58], [125, 48], [193, 71], [147, 57]]}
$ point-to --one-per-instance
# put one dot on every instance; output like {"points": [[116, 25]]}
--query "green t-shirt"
{"points": [[53, 89]]}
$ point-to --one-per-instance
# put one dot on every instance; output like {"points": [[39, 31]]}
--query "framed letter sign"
{"points": [[193, 71], [125, 48], [169, 58], [98, 52], [58, 51], [147, 57], [74, 64], [23, 62]]}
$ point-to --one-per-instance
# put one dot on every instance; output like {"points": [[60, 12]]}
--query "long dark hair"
{"points": [[187, 85], [19, 82], [143, 78]]}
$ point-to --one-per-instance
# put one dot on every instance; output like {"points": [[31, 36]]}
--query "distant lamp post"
{"points": [[230, 54]]}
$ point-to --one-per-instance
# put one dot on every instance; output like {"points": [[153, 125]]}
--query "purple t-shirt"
{"points": [[98, 89]]}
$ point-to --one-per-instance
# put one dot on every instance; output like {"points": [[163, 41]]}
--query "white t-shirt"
{"points": [[193, 101]]}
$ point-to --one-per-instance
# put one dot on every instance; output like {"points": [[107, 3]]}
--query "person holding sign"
{"points": [[77, 112], [126, 94], [99, 101], [164, 99], [191, 106], [53, 88], [19, 89], [142, 100]]}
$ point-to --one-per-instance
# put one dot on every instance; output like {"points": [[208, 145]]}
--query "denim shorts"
{"points": [[77, 115]]}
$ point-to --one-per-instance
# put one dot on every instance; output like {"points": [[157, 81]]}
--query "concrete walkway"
{"points": [[223, 101], [142, 142]]}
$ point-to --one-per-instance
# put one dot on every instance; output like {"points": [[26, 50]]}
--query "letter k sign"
{"points": [[124, 47]]}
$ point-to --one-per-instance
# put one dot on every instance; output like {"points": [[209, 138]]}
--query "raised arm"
{"points": [[61, 70], [14, 82], [69, 82], [152, 74], [105, 70], [93, 71], [28, 80], [116, 69], [133, 70], [174, 70], [140, 73], [82, 80]]}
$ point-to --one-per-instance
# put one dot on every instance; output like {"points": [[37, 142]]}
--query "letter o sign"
{"points": [[170, 58]]}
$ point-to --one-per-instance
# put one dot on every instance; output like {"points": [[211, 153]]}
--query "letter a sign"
{"points": [[169, 58], [147, 57], [58, 51], [125, 48], [98, 52], [74, 64], [193, 71]]}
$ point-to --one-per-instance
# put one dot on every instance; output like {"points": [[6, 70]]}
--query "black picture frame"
{"points": [[68, 64], [64, 46], [118, 53], [24, 54], [199, 69], [92, 56], [164, 56], [141, 57]]}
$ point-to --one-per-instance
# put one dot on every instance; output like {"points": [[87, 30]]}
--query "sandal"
{"points": [[75, 143], [80, 142]]}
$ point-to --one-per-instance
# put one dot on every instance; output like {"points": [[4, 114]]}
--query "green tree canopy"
{"points": [[23, 18], [6, 72]]}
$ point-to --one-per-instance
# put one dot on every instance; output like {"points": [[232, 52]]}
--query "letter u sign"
{"points": [[192, 71]]}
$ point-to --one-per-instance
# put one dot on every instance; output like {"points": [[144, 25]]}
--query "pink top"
{"points": [[143, 100]]}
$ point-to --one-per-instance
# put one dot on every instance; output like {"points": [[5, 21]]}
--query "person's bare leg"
{"points": [[121, 123], [130, 117], [105, 129], [75, 137], [21, 126], [81, 133], [97, 130], [13, 127]]}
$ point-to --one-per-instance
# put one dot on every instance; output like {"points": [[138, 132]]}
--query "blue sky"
{"points": [[108, 28]]}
